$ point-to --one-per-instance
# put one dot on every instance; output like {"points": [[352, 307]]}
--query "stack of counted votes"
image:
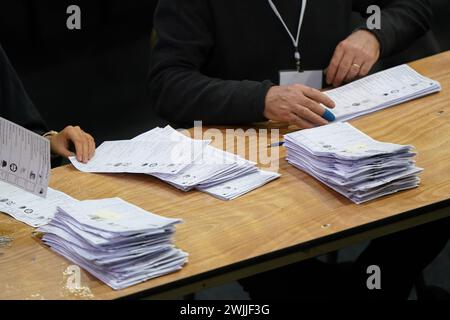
{"points": [[219, 173], [115, 241], [180, 161], [352, 163]]}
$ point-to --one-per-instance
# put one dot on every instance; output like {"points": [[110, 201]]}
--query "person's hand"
{"points": [[297, 105], [354, 57], [82, 142]]}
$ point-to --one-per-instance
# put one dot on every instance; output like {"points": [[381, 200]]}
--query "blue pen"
{"points": [[276, 144], [329, 116]]}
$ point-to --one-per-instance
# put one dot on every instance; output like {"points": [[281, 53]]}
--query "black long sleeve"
{"points": [[180, 91], [215, 60], [402, 21], [15, 105]]}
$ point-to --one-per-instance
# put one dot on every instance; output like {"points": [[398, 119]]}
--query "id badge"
{"points": [[311, 78]]}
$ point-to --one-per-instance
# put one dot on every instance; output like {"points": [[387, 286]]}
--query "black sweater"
{"points": [[15, 105], [215, 60]]}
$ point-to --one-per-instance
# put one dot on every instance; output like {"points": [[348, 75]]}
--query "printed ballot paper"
{"points": [[352, 163], [24, 158], [115, 241], [234, 188], [216, 172], [29, 208], [180, 161], [379, 91], [160, 153]]}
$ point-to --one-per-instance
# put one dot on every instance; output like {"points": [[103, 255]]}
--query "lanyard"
{"points": [[295, 41]]}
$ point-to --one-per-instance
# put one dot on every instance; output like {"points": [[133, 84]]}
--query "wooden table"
{"points": [[291, 219]]}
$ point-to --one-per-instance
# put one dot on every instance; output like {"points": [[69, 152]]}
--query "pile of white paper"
{"points": [[379, 91], [352, 163], [235, 188], [180, 161], [115, 241], [30, 208], [160, 151]]}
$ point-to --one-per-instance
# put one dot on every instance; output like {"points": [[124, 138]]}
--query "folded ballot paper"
{"points": [[115, 241], [30, 208], [379, 91], [352, 163], [180, 161]]}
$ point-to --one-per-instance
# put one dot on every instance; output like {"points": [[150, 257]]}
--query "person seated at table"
{"points": [[219, 61], [16, 106]]}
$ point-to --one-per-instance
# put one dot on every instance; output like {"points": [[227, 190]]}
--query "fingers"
{"points": [[311, 117], [78, 150], [334, 64], [361, 48], [91, 142], [344, 68], [84, 144], [63, 151], [309, 107], [365, 69], [298, 105], [87, 148], [355, 70], [76, 137], [312, 112], [299, 122], [318, 97]]}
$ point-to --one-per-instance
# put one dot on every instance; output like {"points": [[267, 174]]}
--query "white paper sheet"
{"points": [[157, 156], [379, 91], [235, 188], [29, 208], [24, 158]]}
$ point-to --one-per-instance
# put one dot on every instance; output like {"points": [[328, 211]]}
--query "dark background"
{"points": [[96, 76]]}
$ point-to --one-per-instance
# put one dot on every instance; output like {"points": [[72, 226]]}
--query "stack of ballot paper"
{"points": [[115, 241], [180, 161], [379, 91], [160, 151], [352, 163], [235, 188]]}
